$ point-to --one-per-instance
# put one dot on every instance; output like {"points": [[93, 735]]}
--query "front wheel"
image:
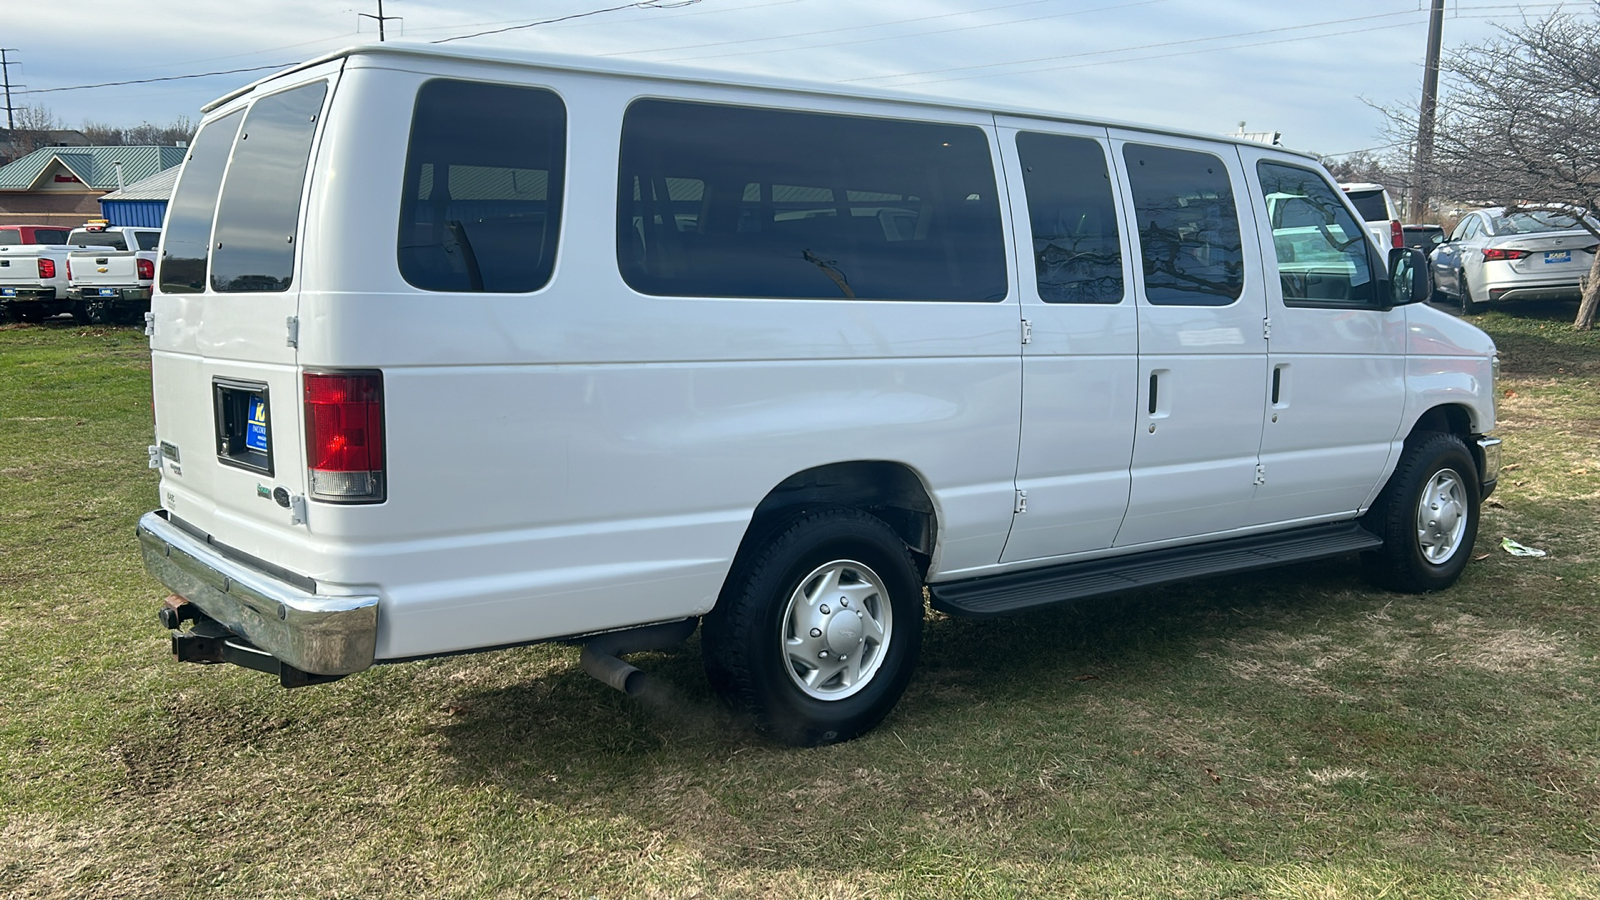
{"points": [[1427, 516], [816, 632]]}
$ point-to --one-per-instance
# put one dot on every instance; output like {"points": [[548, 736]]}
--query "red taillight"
{"points": [[69, 270], [147, 270], [344, 436], [1490, 254], [47, 268], [1397, 235]]}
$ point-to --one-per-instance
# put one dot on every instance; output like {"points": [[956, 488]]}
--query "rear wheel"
{"points": [[1469, 306], [1427, 516], [81, 313], [98, 310], [816, 632]]}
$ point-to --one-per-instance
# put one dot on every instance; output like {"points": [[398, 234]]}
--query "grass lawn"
{"points": [[1292, 733]]}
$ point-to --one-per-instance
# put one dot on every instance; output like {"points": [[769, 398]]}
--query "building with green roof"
{"points": [[61, 185]]}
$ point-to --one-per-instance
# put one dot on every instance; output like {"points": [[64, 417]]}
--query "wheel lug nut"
{"points": [[842, 657], [824, 610], [822, 654], [844, 602], [816, 632]]}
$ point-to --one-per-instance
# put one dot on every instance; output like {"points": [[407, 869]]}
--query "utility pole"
{"points": [[5, 66], [380, 17], [1417, 204]]}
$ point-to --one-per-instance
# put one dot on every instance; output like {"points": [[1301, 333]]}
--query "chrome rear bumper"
{"points": [[316, 633]]}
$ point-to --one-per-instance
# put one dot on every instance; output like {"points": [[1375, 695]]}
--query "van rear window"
{"points": [[258, 214], [480, 209], [183, 266], [727, 201]]}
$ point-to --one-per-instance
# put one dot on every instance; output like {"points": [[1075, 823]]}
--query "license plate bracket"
{"points": [[243, 424]]}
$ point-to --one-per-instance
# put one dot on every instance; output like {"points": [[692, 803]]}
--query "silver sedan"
{"points": [[1495, 255]]}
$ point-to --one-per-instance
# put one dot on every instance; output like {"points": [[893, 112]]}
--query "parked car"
{"points": [[1422, 237], [1378, 210], [111, 274], [33, 282], [11, 235], [1495, 255], [439, 367]]}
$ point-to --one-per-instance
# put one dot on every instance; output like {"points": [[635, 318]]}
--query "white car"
{"points": [[1495, 255], [1378, 210]]}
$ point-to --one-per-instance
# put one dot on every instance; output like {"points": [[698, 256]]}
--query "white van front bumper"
{"points": [[315, 633]]}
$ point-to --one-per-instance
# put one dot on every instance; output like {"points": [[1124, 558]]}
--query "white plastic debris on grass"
{"points": [[1516, 549]]}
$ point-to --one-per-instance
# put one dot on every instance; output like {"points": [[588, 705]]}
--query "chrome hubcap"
{"points": [[1442, 516], [836, 629]]}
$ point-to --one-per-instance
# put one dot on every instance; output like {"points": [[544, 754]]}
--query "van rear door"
{"points": [[225, 368]]}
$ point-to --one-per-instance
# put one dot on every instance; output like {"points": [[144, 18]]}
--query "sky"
{"points": [[1312, 71]]}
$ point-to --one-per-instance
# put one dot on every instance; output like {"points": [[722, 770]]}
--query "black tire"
{"points": [[98, 311], [29, 313], [1426, 546], [757, 646], [1469, 306], [8, 312], [82, 313]]}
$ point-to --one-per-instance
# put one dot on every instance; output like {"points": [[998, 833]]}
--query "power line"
{"points": [[644, 4], [84, 87]]}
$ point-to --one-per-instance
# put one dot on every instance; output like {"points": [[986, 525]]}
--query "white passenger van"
{"points": [[456, 351]]}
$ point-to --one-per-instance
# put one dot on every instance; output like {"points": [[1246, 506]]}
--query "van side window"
{"points": [[1321, 249], [1077, 256], [253, 246], [1188, 226], [183, 265], [727, 201], [480, 209]]}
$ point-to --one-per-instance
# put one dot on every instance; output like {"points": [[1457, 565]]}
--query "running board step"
{"points": [[996, 595]]}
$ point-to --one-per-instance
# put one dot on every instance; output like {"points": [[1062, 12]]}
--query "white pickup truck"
{"points": [[110, 272], [33, 282]]}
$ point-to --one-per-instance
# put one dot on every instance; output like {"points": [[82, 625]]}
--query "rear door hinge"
{"points": [[155, 455], [293, 323], [1027, 331], [1266, 328], [1261, 474], [1022, 502], [297, 509], [149, 324]]}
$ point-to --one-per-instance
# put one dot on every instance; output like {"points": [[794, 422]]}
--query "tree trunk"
{"points": [[1591, 299]]}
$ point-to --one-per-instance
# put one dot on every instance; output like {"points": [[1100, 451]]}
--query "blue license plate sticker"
{"points": [[1557, 256], [8, 292], [255, 429], [108, 292]]}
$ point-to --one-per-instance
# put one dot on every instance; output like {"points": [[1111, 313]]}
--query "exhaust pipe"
{"points": [[600, 656]]}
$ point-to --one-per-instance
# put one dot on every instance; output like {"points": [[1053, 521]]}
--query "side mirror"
{"points": [[1437, 238], [1409, 280]]}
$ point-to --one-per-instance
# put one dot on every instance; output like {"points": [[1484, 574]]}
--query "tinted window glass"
{"points": [[148, 240], [1188, 227], [112, 239], [9, 238], [183, 265], [1370, 204], [722, 201], [481, 204], [1321, 249], [50, 236], [1076, 254], [253, 248]]}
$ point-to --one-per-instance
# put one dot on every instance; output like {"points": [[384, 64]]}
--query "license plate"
{"points": [[1557, 256], [8, 292], [108, 292], [255, 429]]}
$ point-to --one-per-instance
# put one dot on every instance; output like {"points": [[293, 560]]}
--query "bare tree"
{"points": [[145, 133], [1361, 165], [1517, 125], [34, 124]]}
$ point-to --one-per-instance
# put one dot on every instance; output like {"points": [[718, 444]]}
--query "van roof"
{"points": [[721, 78]]}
